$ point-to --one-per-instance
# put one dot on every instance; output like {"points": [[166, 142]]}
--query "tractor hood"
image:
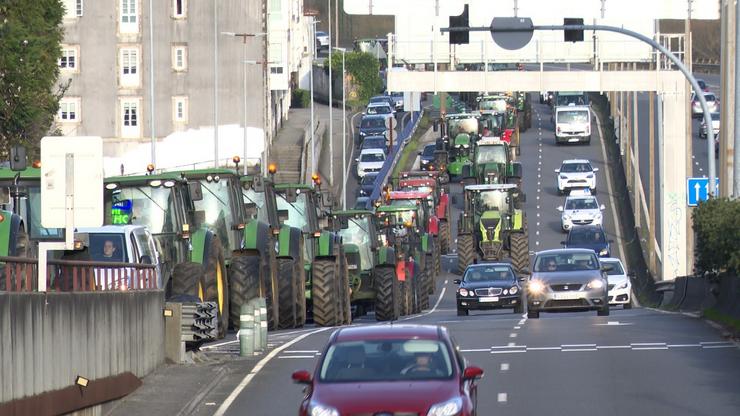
{"points": [[492, 172], [490, 219]]}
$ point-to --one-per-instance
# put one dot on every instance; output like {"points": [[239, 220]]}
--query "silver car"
{"points": [[567, 279]]}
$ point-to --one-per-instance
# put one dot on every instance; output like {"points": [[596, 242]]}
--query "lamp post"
{"points": [[344, 129], [310, 76], [331, 105], [244, 37]]}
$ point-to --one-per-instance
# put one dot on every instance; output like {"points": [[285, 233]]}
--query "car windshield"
{"points": [[34, 217], [581, 203], [152, 207], [357, 233], [373, 143], [565, 262], [215, 205], [488, 273], [715, 116], [570, 98], [428, 150], [586, 236], [491, 154], [495, 105], [462, 125], [575, 168], [258, 199], [368, 179], [372, 123], [573, 116], [379, 109], [491, 200], [386, 360], [372, 157], [107, 247], [616, 267], [709, 97]]}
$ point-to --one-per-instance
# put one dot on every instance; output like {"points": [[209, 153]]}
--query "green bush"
{"points": [[717, 228], [300, 98], [365, 71]]}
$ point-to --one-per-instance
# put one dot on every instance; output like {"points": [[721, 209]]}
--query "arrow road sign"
{"points": [[697, 190]]}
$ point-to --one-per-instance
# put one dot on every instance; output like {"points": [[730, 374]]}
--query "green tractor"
{"points": [[504, 105], [399, 227], [493, 163], [493, 226], [459, 134], [371, 266], [192, 255], [524, 111]]}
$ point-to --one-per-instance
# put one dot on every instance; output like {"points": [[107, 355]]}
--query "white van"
{"points": [[573, 124]]}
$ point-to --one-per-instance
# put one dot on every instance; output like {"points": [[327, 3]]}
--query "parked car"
{"points": [[576, 173], [381, 107], [712, 103], [373, 126], [715, 126], [375, 142], [580, 210], [620, 286], [592, 237], [367, 184], [322, 40], [567, 279], [390, 370], [370, 160], [383, 99], [426, 157], [489, 286]]}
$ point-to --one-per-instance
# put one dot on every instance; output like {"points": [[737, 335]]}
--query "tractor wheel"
{"points": [[387, 294], [418, 285], [406, 297], [244, 284], [324, 292], [345, 307], [444, 237], [186, 280], [300, 292], [216, 283], [20, 249], [519, 251], [465, 252], [286, 294], [430, 274]]}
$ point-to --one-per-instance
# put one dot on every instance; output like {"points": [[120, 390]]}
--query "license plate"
{"points": [[574, 139], [567, 295], [352, 267], [489, 299]]}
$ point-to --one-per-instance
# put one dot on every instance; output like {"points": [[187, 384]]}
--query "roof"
{"points": [[417, 182], [378, 332], [372, 150], [142, 179], [491, 187], [352, 212], [420, 173], [410, 194], [109, 229], [484, 264], [566, 250], [204, 172], [571, 107], [576, 161], [284, 186], [462, 115]]}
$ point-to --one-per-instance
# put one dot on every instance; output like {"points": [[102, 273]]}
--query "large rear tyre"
{"points": [[519, 251], [387, 294], [286, 294], [324, 292], [186, 280], [417, 286], [465, 252], [345, 304], [215, 283], [406, 297], [244, 284], [444, 237], [430, 274]]}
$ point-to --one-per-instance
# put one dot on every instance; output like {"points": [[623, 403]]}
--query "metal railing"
{"points": [[20, 274]]}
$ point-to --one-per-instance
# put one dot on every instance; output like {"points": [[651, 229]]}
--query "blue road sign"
{"points": [[697, 190]]}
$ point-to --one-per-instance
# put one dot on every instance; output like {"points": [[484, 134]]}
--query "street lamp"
{"points": [[344, 128], [331, 105], [310, 77], [244, 37]]}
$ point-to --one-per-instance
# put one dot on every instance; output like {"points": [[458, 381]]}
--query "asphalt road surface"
{"points": [[639, 361]]}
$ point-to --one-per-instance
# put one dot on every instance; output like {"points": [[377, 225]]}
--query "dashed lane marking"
{"points": [[502, 398], [504, 366], [512, 335], [512, 348]]}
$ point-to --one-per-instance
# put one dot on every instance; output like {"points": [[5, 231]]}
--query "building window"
{"points": [[128, 11], [69, 110], [73, 8], [68, 60], [179, 58], [179, 8], [129, 63], [276, 69], [78, 7], [130, 110], [180, 109]]}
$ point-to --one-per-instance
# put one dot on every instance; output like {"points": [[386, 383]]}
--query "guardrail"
{"points": [[20, 274], [395, 154]]}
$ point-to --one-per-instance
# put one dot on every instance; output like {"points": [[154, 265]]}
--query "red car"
{"points": [[390, 370]]}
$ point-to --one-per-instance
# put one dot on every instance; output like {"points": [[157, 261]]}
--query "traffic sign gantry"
{"points": [[697, 190]]}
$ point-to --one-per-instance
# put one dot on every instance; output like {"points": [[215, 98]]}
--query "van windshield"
{"points": [[573, 116]]}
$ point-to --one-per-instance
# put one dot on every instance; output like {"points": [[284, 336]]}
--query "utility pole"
{"points": [[727, 91], [151, 85], [331, 105], [637, 183], [651, 175], [312, 40], [688, 60], [215, 84], [336, 22], [736, 144]]}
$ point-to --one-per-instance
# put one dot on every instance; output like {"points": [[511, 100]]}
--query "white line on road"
{"points": [[504, 366], [507, 352], [577, 345], [502, 398], [447, 281], [647, 344], [517, 327], [301, 352], [578, 349], [477, 350], [718, 346], [613, 347], [297, 356], [512, 335], [684, 345], [544, 348]]}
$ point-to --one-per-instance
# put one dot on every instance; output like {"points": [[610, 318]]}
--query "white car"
{"points": [[619, 285], [715, 126], [322, 40], [580, 210], [712, 103], [379, 108], [370, 160], [576, 173]]}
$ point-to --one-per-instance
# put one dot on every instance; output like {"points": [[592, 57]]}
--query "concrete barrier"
{"points": [[697, 296], [49, 339], [728, 301]]}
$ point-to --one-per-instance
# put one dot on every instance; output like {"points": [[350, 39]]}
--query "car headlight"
{"points": [[449, 408], [603, 252], [514, 290], [590, 176], [317, 409], [595, 284], [362, 133], [535, 286], [505, 292], [424, 162], [464, 292], [622, 285]]}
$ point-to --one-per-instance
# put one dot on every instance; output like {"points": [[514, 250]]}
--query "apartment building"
{"points": [[139, 69]]}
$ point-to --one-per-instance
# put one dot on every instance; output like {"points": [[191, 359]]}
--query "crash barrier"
{"points": [[62, 352], [728, 298], [20, 274], [696, 293], [253, 327], [384, 175]]}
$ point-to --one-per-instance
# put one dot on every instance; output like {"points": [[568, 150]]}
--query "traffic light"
{"points": [[460, 38], [573, 35]]}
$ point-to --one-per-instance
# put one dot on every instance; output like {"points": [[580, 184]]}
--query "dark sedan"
{"points": [[489, 286], [426, 157], [375, 142], [373, 125], [390, 370], [592, 237], [367, 184]]}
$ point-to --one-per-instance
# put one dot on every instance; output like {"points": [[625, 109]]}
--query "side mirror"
{"points": [[301, 377], [196, 191], [560, 208], [457, 281], [357, 159], [472, 373], [557, 170], [596, 169], [602, 207]]}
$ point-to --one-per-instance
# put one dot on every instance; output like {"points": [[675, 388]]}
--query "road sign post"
{"points": [[390, 124], [697, 190]]}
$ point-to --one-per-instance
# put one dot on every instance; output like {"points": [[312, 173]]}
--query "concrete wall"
{"points": [[47, 340]]}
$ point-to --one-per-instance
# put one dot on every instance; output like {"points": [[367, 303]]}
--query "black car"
{"points": [[489, 286], [375, 142], [384, 99], [372, 125], [367, 184], [592, 237], [426, 157]]}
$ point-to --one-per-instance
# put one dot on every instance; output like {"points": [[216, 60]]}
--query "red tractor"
{"points": [[431, 181]]}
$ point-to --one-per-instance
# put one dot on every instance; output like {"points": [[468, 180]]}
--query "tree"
{"points": [[364, 70], [30, 34], [717, 227]]}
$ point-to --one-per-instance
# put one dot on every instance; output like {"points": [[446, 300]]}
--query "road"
{"points": [[638, 361]]}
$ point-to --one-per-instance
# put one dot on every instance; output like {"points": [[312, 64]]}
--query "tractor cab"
{"points": [[459, 136], [493, 162]]}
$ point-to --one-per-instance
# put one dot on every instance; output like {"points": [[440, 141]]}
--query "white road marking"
{"points": [[302, 352], [613, 347], [447, 281], [477, 350], [615, 323], [578, 345], [684, 345], [536, 243], [578, 349], [511, 344], [439, 299], [647, 344], [502, 397], [512, 335], [504, 366], [508, 352], [297, 356], [544, 348], [517, 327]]}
